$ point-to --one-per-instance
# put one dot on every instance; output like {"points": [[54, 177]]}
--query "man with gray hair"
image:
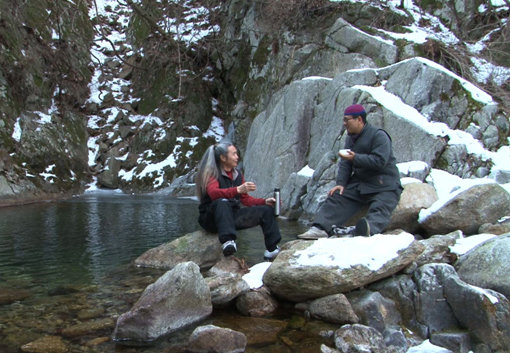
{"points": [[225, 202]]}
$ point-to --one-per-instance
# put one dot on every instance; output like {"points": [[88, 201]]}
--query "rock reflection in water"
{"points": [[66, 274]]}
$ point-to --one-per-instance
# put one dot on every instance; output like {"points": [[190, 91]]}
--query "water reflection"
{"points": [[79, 240], [64, 258]]}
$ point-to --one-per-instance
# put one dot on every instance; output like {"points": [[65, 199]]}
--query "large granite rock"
{"points": [[488, 317], [305, 118], [432, 310], [488, 265], [343, 36], [201, 247], [177, 299], [375, 310], [467, 210], [314, 269], [283, 143]]}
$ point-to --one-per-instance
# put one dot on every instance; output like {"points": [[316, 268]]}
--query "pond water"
{"points": [[66, 272]]}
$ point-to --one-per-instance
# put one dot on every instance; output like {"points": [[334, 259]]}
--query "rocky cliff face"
{"points": [[44, 61], [129, 95]]}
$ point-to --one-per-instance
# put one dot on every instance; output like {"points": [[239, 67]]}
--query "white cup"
{"points": [[344, 153]]}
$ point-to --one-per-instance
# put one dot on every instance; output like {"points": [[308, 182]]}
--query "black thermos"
{"points": [[277, 202]]}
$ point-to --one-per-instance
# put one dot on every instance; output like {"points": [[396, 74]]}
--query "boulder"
{"points": [[6, 190], [326, 349], [414, 198], [359, 338], [282, 127], [432, 309], [333, 308], [488, 317], [402, 290], [177, 299], [201, 247], [454, 341], [396, 339], [294, 188], [214, 339], [257, 302], [109, 177], [314, 269], [416, 170], [374, 310], [230, 265], [437, 249], [477, 205], [488, 265], [304, 118], [498, 228], [420, 83], [343, 36], [226, 288]]}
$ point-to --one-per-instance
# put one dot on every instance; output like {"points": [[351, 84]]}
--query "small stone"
{"points": [[46, 344]]}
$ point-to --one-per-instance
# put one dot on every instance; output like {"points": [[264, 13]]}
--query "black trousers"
{"points": [[338, 209], [224, 218]]}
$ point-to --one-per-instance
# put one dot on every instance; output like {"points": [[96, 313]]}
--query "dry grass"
{"points": [[290, 13]]}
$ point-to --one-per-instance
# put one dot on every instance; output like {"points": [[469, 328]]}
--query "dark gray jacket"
{"points": [[374, 167]]}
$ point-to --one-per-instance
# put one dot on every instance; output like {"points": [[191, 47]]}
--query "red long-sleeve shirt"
{"points": [[215, 192]]}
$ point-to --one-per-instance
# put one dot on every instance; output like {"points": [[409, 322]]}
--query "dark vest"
{"points": [[225, 182], [370, 180]]}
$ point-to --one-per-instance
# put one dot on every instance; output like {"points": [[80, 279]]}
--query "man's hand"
{"points": [[347, 155], [271, 201], [338, 188], [246, 187]]}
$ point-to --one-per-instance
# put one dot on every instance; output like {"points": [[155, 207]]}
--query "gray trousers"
{"points": [[338, 209]]}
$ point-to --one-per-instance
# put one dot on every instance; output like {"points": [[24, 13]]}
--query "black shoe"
{"points": [[362, 228], [229, 247], [342, 232]]}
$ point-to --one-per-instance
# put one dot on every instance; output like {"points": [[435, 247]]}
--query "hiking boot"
{"points": [[270, 255], [313, 233], [362, 228], [343, 232], [229, 247]]}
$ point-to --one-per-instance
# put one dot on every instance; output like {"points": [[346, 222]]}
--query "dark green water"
{"points": [[78, 241], [66, 271]]}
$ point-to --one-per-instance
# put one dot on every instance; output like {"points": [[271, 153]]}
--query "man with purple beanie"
{"points": [[367, 176]]}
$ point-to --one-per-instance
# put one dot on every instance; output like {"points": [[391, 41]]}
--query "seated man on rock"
{"points": [[225, 203], [367, 176]]}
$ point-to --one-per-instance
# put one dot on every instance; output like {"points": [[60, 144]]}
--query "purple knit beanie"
{"points": [[354, 110]]}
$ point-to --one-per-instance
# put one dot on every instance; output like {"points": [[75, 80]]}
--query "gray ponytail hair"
{"points": [[209, 166]]}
